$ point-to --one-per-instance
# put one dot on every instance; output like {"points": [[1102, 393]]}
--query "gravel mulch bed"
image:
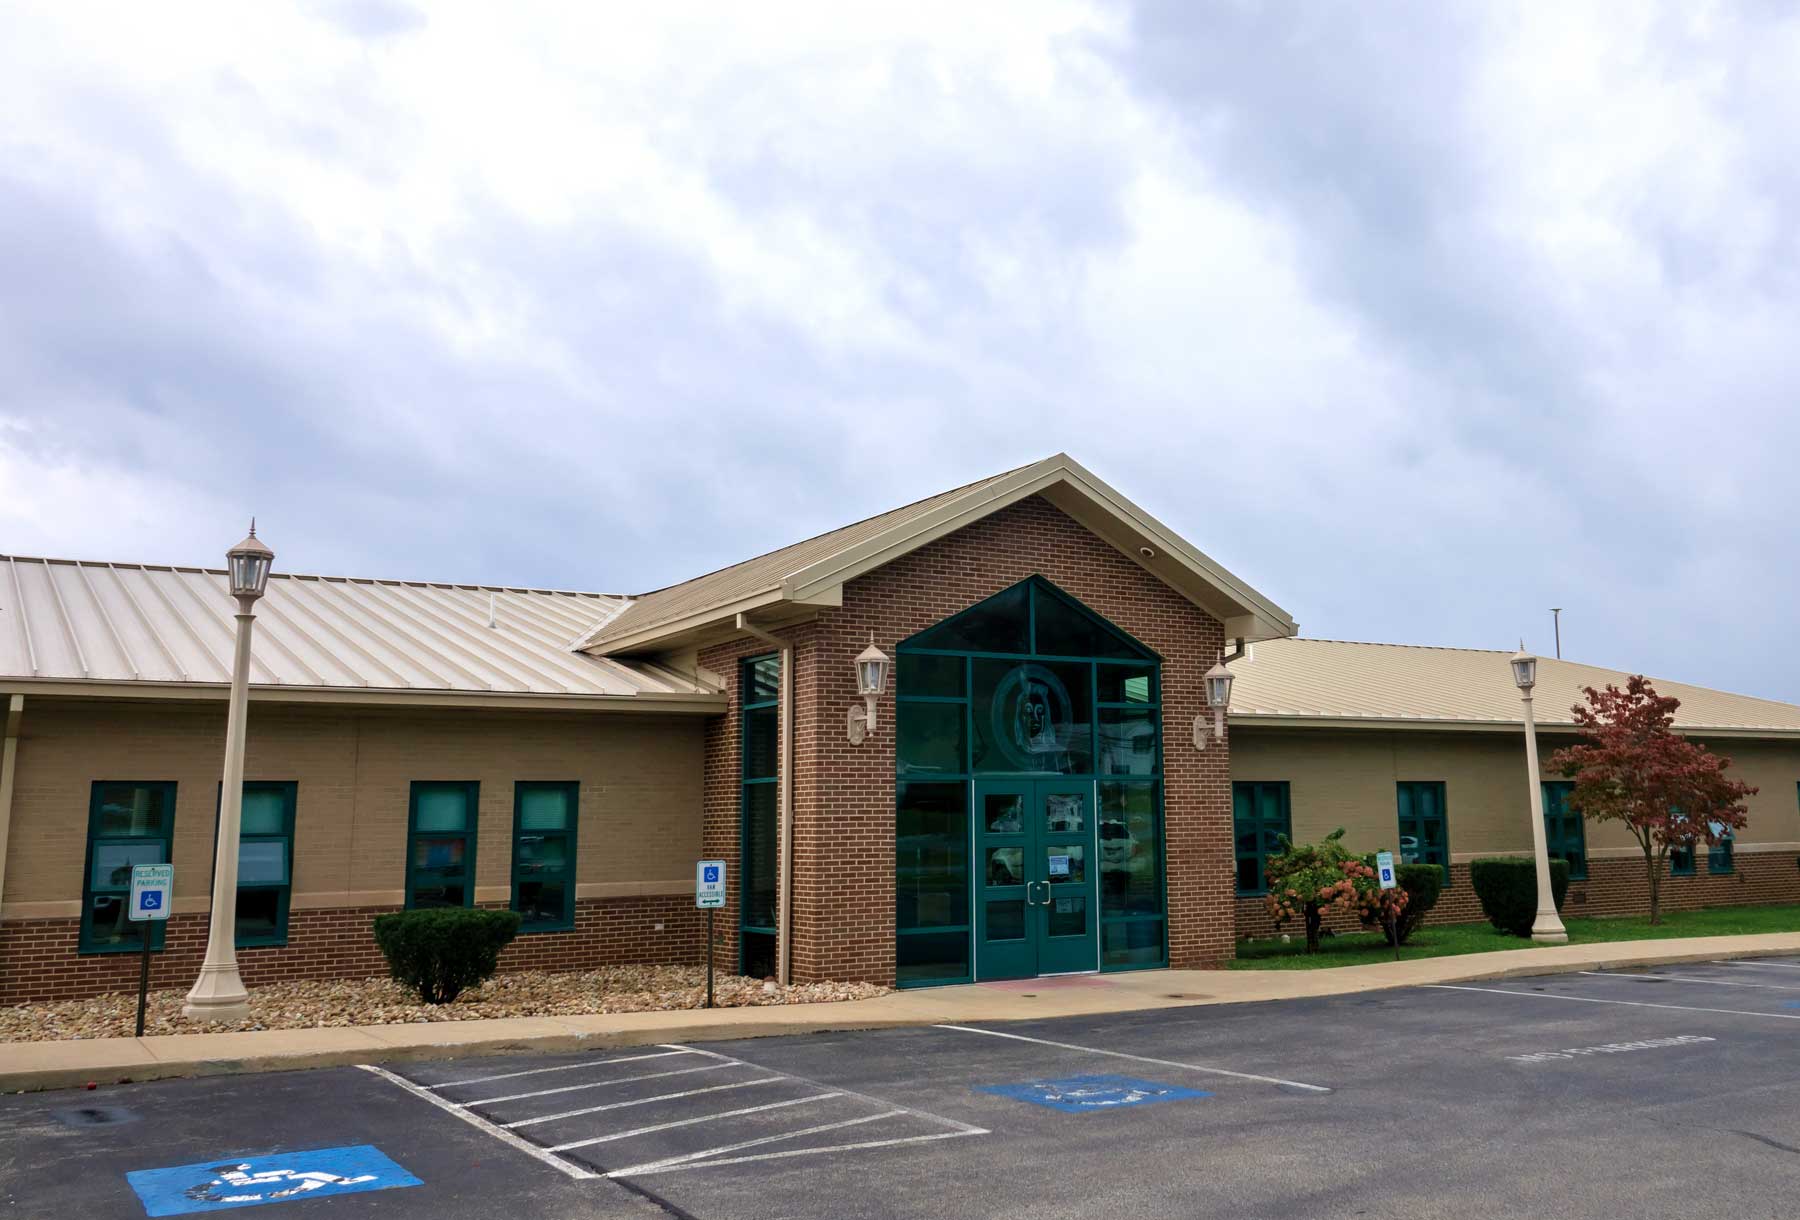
{"points": [[340, 1002]]}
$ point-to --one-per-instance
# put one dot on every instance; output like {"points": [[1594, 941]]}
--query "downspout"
{"points": [[9, 766], [784, 798]]}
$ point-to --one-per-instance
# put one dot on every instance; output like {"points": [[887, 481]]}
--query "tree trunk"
{"points": [[1653, 873], [1314, 920]]}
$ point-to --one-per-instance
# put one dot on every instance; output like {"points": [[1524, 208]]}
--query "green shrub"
{"points": [[1507, 888], [440, 952], [1423, 884]]}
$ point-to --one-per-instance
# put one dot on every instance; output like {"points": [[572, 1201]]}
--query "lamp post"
{"points": [[1548, 926], [218, 994]]}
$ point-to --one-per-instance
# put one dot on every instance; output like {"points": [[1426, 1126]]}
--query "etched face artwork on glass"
{"points": [[1032, 717]]}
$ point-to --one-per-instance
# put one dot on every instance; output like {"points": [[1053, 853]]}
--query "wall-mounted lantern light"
{"points": [[871, 681], [1218, 697]]}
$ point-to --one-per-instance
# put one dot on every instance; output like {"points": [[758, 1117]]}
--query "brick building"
{"points": [[1042, 789]]}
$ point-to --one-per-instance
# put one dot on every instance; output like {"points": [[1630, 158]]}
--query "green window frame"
{"points": [[1681, 861], [1719, 856], [129, 822], [543, 853], [265, 860], [1260, 813], [440, 852], [1565, 833], [759, 728], [1424, 818]]}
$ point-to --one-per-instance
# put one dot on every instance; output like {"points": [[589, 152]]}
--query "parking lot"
{"points": [[1647, 1092]]}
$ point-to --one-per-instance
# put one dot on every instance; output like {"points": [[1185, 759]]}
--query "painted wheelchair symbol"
{"points": [[1086, 1094], [234, 1184], [150, 900]]}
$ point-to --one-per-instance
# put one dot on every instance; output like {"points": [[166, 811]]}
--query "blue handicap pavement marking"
{"points": [[1085, 1094], [275, 1177]]}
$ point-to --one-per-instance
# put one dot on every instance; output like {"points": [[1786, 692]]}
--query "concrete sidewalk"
{"points": [[27, 1066]]}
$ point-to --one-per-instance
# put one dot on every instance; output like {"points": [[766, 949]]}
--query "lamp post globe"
{"points": [[218, 994], [1547, 927]]}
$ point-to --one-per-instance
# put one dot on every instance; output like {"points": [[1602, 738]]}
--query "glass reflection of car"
{"points": [[1409, 849], [1127, 864], [1115, 844]]}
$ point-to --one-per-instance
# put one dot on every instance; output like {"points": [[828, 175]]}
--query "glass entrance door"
{"points": [[1035, 908]]}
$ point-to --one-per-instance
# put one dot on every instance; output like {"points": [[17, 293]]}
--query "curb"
{"points": [[131, 1061]]}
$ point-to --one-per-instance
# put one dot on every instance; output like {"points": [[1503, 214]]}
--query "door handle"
{"points": [[1046, 899]]}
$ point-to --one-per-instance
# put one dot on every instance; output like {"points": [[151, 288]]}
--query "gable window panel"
{"points": [[545, 817], [130, 822], [440, 849], [759, 687]]}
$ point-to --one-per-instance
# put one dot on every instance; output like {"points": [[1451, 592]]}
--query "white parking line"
{"points": [[1189, 1067], [506, 1137], [964, 1128], [793, 1152], [689, 1122], [1758, 965], [1586, 999], [597, 1084], [643, 1101], [561, 1067], [650, 1167], [1685, 978]]}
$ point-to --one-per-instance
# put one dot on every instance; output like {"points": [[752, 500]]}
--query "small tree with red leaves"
{"points": [[1310, 879], [1633, 767]]}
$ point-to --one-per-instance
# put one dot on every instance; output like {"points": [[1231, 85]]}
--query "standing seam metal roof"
{"points": [[1301, 679], [71, 620]]}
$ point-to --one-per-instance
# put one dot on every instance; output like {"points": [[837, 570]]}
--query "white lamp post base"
{"points": [[218, 995], [1547, 929]]}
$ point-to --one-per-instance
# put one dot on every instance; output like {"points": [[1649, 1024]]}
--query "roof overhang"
{"points": [[1270, 720], [204, 692], [1245, 613]]}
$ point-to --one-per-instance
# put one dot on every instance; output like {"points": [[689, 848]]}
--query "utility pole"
{"points": [[1556, 618]]}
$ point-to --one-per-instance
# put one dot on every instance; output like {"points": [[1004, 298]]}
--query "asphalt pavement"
{"points": [[1665, 1091]]}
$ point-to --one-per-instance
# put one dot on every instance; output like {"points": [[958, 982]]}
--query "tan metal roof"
{"points": [[813, 572], [1333, 681], [63, 622]]}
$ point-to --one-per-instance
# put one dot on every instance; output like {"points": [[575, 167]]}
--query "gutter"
{"points": [[784, 799], [9, 767]]}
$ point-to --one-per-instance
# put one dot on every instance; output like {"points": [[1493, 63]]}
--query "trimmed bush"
{"points": [[1507, 888], [439, 953], [1423, 884]]}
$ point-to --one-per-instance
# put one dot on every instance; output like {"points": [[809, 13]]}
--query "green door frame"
{"points": [[1036, 909]]}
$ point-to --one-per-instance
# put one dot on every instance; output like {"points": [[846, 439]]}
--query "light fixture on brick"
{"points": [[1218, 697], [871, 681]]}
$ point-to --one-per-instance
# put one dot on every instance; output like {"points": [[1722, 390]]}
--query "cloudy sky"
{"points": [[1422, 318]]}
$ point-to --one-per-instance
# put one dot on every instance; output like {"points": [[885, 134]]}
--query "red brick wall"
{"points": [[844, 795], [1614, 886], [38, 958]]}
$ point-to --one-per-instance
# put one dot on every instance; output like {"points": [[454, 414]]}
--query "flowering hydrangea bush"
{"points": [[1307, 880]]}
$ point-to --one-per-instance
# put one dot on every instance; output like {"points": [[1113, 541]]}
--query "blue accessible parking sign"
{"points": [[1085, 1094], [276, 1177]]}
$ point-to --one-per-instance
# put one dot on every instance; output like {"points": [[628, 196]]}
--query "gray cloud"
{"points": [[1422, 320]]}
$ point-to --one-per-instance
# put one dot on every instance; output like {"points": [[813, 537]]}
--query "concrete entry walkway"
{"points": [[49, 1065]]}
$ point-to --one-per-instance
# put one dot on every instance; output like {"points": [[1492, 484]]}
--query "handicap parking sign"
{"points": [[150, 886], [1086, 1094], [277, 1177]]}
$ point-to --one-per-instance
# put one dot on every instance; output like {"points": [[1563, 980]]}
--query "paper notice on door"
{"points": [[1059, 866]]}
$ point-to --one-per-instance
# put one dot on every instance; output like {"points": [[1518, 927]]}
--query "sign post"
{"points": [[709, 896], [152, 886], [1384, 874]]}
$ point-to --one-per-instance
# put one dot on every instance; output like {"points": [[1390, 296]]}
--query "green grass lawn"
{"points": [[1449, 939]]}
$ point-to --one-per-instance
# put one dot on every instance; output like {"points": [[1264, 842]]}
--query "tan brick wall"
{"points": [[638, 836], [1347, 778], [844, 794]]}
